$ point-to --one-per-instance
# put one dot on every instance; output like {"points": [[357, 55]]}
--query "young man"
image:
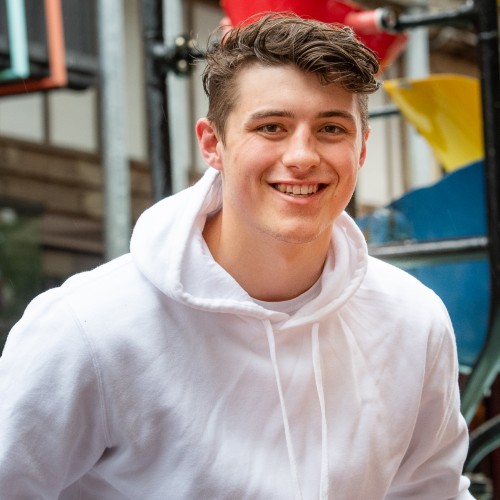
{"points": [[247, 347]]}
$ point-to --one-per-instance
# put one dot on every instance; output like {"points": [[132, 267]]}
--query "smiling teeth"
{"points": [[295, 189]]}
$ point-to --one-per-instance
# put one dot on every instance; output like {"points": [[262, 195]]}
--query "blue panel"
{"points": [[454, 207]]}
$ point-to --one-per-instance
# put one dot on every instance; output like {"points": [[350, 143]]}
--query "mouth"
{"points": [[299, 190]]}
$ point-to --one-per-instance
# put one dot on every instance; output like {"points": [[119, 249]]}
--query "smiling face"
{"points": [[291, 153]]}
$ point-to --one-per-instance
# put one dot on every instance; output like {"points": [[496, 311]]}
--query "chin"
{"points": [[299, 236]]}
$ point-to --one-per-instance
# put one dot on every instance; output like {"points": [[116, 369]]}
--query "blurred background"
{"points": [[98, 102]]}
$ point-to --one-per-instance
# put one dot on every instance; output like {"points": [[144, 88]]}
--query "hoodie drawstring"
{"points": [[289, 445], [316, 358], [316, 361]]}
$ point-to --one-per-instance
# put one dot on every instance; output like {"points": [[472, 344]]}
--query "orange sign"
{"points": [[57, 59]]}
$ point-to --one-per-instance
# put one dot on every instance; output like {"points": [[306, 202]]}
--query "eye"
{"points": [[332, 129], [270, 128]]}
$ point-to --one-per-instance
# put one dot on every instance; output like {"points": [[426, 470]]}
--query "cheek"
{"points": [[246, 166], [347, 169], [235, 181]]}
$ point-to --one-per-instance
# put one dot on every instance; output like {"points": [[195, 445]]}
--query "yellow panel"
{"points": [[446, 110]]}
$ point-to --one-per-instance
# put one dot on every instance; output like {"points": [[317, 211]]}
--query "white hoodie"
{"points": [[156, 377]]}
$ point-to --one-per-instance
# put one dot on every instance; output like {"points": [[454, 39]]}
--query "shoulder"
{"points": [[398, 306], [111, 273], [86, 304], [107, 286], [398, 287]]}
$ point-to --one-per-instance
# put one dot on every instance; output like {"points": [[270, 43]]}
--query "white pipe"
{"points": [[417, 65], [179, 112], [117, 212]]}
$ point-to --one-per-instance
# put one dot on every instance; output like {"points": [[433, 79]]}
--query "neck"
{"points": [[266, 268]]}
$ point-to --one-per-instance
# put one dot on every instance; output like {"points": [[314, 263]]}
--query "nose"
{"points": [[301, 151]]}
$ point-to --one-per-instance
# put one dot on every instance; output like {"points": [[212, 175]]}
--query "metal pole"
{"points": [[486, 367], [113, 128], [156, 101], [393, 22], [490, 94]]}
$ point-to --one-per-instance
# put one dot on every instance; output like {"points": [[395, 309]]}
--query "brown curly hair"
{"points": [[331, 51]]}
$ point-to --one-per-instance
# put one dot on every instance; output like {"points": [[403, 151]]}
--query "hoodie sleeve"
{"points": [[432, 466], [52, 416]]}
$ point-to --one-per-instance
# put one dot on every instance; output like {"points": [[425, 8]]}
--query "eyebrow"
{"points": [[259, 115], [337, 114]]}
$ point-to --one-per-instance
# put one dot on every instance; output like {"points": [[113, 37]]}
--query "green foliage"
{"points": [[20, 266]]}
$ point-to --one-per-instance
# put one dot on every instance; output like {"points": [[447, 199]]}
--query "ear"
{"points": [[209, 143], [362, 156]]}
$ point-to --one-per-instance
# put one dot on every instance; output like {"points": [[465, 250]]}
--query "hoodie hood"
{"points": [[168, 248]]}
